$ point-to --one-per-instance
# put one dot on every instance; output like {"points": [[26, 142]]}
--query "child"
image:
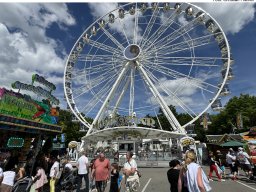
{"points": [[220, 162], [114, 178]]}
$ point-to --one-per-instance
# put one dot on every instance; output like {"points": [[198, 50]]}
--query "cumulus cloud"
{"points": [[231, 16], [25, 47]]}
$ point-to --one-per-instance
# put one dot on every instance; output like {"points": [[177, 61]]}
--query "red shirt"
{"points": [[102, 169]]}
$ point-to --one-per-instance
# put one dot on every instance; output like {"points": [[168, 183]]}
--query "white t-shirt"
{"points": [[1, 172], [130, 165], [230, 158], [8, 178], [243, 157], [68, 165], [82, 165], [55, 166]]}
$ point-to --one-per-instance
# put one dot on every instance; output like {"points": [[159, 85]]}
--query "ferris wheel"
{"points": [[140, 58]]}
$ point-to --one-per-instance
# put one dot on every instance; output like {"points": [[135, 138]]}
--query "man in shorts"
{"points": [[244, 162], [101, 172]]}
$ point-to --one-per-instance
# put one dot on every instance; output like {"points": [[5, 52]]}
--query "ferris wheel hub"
{"points": [[132, 52]]}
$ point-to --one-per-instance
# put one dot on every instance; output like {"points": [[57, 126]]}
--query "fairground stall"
{"points": [[250, 137], [26, 123]]}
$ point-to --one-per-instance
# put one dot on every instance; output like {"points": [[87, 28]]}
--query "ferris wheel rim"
{"points": [[76, 111]]}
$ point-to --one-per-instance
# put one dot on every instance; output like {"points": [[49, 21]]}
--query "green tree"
{"points": [[71, 129], [225, 121]]}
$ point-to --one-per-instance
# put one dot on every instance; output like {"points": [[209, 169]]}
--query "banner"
{"points": [[23, 106], [43, 81]]}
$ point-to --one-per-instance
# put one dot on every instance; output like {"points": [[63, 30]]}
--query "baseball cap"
{"points": [[240, 148]]}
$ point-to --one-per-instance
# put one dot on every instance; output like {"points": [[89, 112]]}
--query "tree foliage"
{"points": [[71, 129], [226, 121]]}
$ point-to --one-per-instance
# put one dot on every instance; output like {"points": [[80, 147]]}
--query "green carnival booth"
{"points": [[24, 121]]}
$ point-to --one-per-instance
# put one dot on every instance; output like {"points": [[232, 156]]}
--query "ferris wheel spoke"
{"points": [[104, 67], [177, 75], [78, 92], [104, 47], [191, 80], [122, 25], [135, 31], [113, 39], [96, 98], [95, 57], [149, 26], [157, 34], [178, 101], [186, 45], [185, 63], [197, 61], [125, 87], [174, 35], [91, 83], [91, 71]]}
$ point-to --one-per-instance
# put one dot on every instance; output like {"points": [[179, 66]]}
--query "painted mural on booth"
{"points": [[23, 106]]}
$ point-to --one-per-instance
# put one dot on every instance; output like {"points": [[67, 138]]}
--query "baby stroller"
{"points": [[22, 185], [69, 181]]}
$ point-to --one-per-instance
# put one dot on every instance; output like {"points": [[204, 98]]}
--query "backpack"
{"points": [[241, 158]]}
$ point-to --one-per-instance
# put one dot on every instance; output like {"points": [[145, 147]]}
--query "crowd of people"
{"points": [[43, 169], [189, 176], [52, 170], [183, 176]]}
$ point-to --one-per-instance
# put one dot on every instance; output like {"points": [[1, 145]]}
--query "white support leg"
{"points": [[131, 104], [171, 118], [107, 100]]}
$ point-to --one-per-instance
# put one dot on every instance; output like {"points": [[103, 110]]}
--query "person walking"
{"points": [[8, 180], [83, 167], [54, 171], [130, 173], [213, 167], [114, 178], [230, 159], [220, 162], [234, 165], [192, 176], [92, 182], [1, 175], [173, 174], [101, 172], [244, 161], [39, 180]]}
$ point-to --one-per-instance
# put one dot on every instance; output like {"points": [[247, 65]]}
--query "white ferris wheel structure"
{"points": [[140, 58]]}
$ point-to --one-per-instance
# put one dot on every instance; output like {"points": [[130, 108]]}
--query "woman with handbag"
{"points": [[192, 176], [213, 167], [130, 172]]}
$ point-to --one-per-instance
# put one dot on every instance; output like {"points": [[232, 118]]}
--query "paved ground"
{"points": [[155, 180]]}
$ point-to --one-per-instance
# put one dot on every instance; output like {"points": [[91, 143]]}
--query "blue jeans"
{"points": [[86, 179]]}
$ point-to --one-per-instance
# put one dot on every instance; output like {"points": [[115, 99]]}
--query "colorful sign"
{"points": [[185, 141], [36, 89], [23, 106], [125, 121], [15, 142], [43, 81]]}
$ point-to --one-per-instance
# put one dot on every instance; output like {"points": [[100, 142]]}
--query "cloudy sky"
{"points": [[37, 38]]}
